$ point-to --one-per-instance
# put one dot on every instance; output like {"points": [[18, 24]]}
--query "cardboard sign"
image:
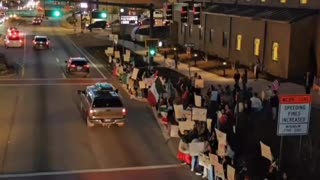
{"points": [[131, 83], [221, 137], [109, 51], [231, 172], [117, 54], [204, 160], [120, 70], [199, 83], [142, 85], [213, 159], [199, 114], [195, 148], [266, 151], [135, 73], [198, 100], [174, 129], [128, 53], [187, 114], [178, 111], [186, 125]]}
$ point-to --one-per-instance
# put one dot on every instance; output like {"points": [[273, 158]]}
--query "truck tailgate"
{"points": [[108, 113]]}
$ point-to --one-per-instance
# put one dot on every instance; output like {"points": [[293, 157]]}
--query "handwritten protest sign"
{"points": [[117, 54], [213, 159], [197, 100], [186, 125], [221, 137], [109, 51], [218, 168], [266, 151], [231, 172], [195, 148], [199, 114], [221, 150], [199, 83], [204, 160], [174, 129], [187, 114], [149, 81], [126, 58], [178, 111], [142, 85], [134, 74], [128, 53], [120, 70]]}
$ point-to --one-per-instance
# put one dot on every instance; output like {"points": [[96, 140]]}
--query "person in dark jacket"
{"points": [[244, 79], [274, 102], [236, 77]]}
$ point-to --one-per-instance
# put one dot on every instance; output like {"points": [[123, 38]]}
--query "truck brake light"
{"points": [[124, 111]]}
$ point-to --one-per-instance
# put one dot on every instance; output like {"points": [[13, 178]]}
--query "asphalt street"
{"points": [[41, 128]]}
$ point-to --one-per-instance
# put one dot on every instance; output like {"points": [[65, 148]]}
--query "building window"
{"points": [[190, 30], [275, 51], [256, 46], [211, 35], [283, 1], [239, 41], [303, 1], [225, 39]]}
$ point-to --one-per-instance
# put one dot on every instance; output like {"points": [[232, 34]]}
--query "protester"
{"points": [[236, 77], [274, 102]]}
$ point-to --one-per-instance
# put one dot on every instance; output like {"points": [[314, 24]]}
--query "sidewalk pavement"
{"points": [[211, 78]]}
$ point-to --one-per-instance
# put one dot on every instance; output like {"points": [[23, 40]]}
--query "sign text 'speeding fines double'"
{"points": [[294, 115]]}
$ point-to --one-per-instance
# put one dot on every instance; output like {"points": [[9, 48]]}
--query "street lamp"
{"points": [[195, 55], [224, 68], [160, 44], [122, 10]]}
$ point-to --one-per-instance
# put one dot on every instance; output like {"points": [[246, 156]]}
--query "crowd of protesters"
{"points": [[227, 106]]}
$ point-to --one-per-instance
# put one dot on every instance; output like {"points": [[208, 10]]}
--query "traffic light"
{"points": [[196, 14], [184, 14], [56, 13], [169, 11], [103, 15], [152, 51]]}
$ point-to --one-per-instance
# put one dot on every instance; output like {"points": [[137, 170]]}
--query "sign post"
{"points": [[294, 117]]}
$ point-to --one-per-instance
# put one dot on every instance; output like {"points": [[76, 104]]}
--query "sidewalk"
{"points": [[211, 78]]}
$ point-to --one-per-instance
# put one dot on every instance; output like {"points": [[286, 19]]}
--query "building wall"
{"points": [[243, 27], [216, 25], [280, 33], [225, 1], [312, 4], [302, 35]]}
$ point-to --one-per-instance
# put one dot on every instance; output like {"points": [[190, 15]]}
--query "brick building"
{"points": [[282, 34]]}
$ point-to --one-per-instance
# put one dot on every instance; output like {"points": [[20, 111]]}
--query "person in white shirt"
{"points": [[256, 103]]}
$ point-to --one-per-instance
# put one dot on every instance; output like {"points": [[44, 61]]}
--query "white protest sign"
{"points": [[221, 151], [221, 137], [134, 74], [126, 58], [117, 54], [219, 172], [294, 115], [178, 111], [142, 85], [195, 148], [213, 159], [266, 151], [199, 114], [204, 160], [197, 100], [187, 114], [174, 129], [199, 83], [149, 81], [128, 53], [231, 172], [186, 125], [109, 51], [209, 123]]}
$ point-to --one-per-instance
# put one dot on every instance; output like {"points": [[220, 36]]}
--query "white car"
{"points": [[13, 41]]}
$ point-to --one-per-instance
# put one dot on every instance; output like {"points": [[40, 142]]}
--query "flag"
{"points": [[155, 91]]}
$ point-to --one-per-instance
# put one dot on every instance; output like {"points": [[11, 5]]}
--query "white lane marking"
{"points": [[57, 59], [94, 65], [91, 171], [63, 75]]}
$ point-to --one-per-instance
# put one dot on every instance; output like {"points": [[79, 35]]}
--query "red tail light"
{"points": [[124, 111], [47, 42], [20, 41], [8, 41], [86, 66], [73, 66], [34, 42]]}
